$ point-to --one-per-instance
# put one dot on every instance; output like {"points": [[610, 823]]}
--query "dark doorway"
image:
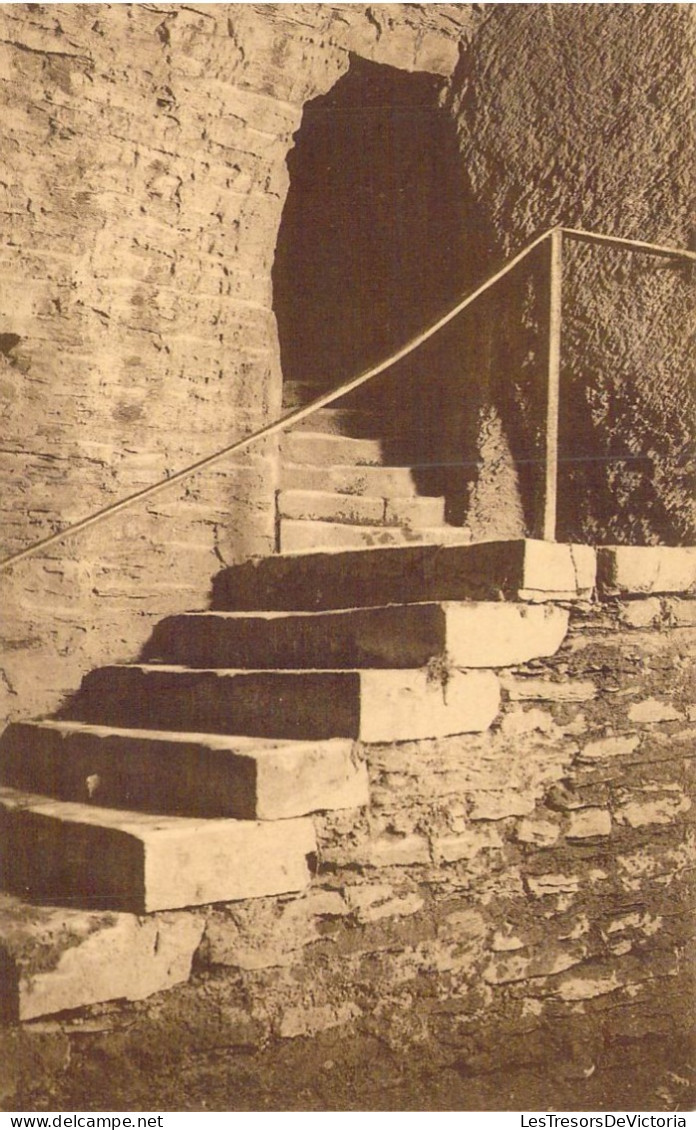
{"points": [[373, 243]]}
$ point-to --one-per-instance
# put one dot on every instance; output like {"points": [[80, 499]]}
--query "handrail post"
{"points": [[553, 375]]}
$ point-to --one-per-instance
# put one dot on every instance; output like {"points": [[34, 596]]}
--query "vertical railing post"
{"points": [[553, 374]]}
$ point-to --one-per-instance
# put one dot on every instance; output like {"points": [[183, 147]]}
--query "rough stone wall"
{"points": [[501, 879], [143, 187], [513, 900], [580, 116]]}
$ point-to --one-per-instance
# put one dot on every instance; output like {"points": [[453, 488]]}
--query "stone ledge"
{"points": [[645, 570]]}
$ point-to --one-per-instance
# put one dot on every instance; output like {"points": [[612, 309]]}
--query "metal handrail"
{"points": [[294, 417], [583, 236]]}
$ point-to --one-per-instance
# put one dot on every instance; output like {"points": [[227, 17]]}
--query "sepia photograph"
{"points": [[347, 561]]}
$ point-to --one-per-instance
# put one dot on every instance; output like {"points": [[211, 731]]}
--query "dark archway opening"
{"points": [[374, 241], [379, 237]]}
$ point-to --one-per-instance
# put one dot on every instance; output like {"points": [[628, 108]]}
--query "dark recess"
{"points": [[374, 238], [379, 237]]}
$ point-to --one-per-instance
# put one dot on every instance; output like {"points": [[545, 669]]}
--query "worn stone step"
{"points": [[110, 859], [471, 634], [298, 536], [331, 506], [298, 393], [381, 482], [355, 422], [415, 513], [323, 450], [55, 959], [524, 569], [183, 774], [371, 705]]}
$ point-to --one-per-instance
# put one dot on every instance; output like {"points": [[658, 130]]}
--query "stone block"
{"points": [[394, 708], [653, 810], [652, 710], [641, 613], [297, 536], [472, 634], [542, 833], [372, 705], [584, 823], [680, 613], [603, 749], [180, 773], [498, 804], [501, 634], [55, 959], [522, 689], [361, 897], [576, 988], [397, 851], [646, 569], [406, 574], [107, 858], [552, 569]]}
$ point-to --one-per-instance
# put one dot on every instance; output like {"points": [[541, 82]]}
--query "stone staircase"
{"points": [[336, 491], [190, 776], [186, 778]]}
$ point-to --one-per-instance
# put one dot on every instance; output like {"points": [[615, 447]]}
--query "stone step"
{"points": [[380, 482], [298, 393], [524, 569], [309, 536], [370, 705], [471, 634], [354, 422], [109, 859], [183, 774], [322, 450], [330, 506], [57, 958], [415, 513]]}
